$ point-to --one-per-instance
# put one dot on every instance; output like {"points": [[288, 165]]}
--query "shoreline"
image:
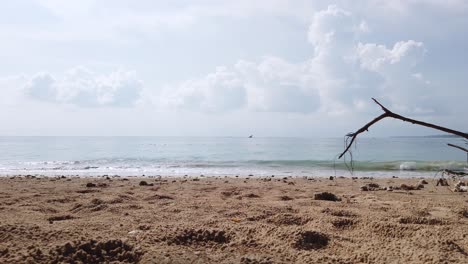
{"points": [[214, 219], [404, 174]]}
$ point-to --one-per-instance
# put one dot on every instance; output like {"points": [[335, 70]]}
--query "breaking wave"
{"points": [[371, 165], [259, 167]]}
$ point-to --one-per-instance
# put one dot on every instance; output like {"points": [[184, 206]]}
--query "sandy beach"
{"points": [[230, 220]]}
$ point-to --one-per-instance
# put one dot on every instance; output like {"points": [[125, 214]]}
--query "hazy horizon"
{"points": [[246, 136], [231, 68]]}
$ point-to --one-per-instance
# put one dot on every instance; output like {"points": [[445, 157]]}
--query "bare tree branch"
{"points": [[458, 147], [388, 113]]}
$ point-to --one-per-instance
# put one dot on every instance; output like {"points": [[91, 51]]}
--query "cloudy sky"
{"points": [[231, 68]]}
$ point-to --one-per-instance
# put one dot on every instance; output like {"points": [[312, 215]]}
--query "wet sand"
{"points": [[229, 220]]}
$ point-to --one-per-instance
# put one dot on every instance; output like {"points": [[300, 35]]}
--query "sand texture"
{"points": [[230, 220]]}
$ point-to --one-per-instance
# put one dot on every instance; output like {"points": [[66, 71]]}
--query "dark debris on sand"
{"points": [[199, 237], [111, 251], [309, 240], [326, 196]]}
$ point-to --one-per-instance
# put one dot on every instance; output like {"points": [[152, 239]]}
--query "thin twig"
{"points": [[458, 147]]}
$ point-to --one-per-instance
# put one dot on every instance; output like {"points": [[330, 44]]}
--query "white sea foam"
{"points": [[224, 156], [408, 166]]}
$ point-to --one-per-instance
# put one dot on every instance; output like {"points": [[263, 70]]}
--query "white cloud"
{"points": [[330, 26], [347, 71], [81, 87], [341, 76], [288, 65], [222, 90], [406, 89], [379, 58], [275, 85]]}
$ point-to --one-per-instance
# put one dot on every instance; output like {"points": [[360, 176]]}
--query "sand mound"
{"points": [[200, 236], [311, 240], [287, 219], [256, 260], [343, 223], [121, 198], [394, 231], [339, 213], [94, 205], [230, 192], [261, 215], [13, 232], [95, 252], [420, 221]]}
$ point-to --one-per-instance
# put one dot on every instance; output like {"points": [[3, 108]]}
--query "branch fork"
{"points": [[388, 113]]}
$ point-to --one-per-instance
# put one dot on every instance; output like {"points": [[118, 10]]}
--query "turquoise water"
{"points": [[193, 156]]}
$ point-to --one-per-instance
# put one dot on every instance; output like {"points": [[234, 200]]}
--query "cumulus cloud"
{"points": [[275, 85], [84, 88], [341, 76], [340, 83], [379, 58], [272, 85], [401, 83], [334, 28], [222, 90]]}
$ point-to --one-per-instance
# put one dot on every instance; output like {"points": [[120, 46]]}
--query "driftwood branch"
{"points": [[458, 147], [388, 113]]}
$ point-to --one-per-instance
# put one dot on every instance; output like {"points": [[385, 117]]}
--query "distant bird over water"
{"points": [[251, 136]]}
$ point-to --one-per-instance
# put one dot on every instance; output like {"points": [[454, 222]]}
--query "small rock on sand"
{"points": [[370, 187], [408, 187], [326, 196], [144, 183]]}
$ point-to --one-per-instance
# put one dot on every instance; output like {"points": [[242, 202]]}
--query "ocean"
{"points": [[227, 156]]}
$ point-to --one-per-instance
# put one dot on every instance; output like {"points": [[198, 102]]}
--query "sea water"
{"points": [[230, 156]]}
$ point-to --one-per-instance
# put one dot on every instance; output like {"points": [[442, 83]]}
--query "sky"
{"points": [[231, 68]]}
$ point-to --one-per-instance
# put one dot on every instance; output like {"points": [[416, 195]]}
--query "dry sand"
{"points": [[229, 220]]}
